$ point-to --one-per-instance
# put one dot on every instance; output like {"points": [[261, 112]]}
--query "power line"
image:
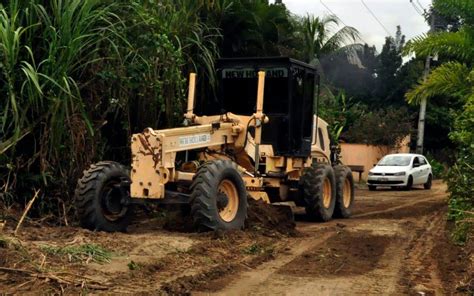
{"points": [[416, 8], [329, 9], [421, 6], [376, 18], [332, 12]]}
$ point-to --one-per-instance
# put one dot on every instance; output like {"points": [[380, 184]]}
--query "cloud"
{"points": [[353, 13]]}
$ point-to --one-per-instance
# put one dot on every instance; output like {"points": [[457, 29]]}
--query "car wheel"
{"points": [[372, 187], [409, 183], [428, 183]]}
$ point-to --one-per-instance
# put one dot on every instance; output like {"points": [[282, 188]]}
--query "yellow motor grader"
{"points": [[273, 149]]}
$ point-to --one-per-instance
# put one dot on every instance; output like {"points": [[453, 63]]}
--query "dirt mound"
{"points": [[262, 218], [267, 219]]}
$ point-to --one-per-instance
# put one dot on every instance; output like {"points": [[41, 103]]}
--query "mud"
{"points": [[268, 220], [396, 243], [345, 254]]}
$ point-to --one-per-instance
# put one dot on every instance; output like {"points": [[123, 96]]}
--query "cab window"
{"points": [[321, 138]]}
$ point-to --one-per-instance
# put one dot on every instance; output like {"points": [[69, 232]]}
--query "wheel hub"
{"points": [[114, 202], [222, 201], [227, 200]]}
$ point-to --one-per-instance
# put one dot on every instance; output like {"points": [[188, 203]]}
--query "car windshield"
{"points": [[395, 160]]}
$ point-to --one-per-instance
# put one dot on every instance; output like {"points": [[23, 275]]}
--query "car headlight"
{"points": [[400, 174], [371, 174]]}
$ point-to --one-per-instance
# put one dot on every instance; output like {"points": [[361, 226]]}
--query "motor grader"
{"points": [[273, 148]]}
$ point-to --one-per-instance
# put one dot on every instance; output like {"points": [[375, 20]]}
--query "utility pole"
{"points": [[424, 101]]}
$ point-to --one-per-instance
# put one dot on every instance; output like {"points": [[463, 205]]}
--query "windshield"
{"points": [[395, 160]]}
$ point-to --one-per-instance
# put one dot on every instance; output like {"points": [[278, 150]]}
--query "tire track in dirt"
{"points": [[438, 195], [247, 281], [388, 231], [420, 270]]}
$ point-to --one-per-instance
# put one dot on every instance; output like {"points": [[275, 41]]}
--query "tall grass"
{"points": [[77, 77], [45, 49]]}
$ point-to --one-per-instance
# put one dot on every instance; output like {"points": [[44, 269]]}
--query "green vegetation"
{"points": [[78, 77], [258, 249], [83, 253], [132, 265], [454, 80]]}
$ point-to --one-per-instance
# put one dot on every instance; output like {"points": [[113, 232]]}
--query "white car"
{"points": [[401, 170]]}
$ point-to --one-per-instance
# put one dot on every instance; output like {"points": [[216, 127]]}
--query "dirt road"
{"points": [[386, 248], [396, 243]]}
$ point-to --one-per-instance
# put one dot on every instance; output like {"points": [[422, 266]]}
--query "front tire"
{"points": [[409, 183], [372, 187], [101, 198], [344, 191], [317, 187], [428, 183], [219, 197]]}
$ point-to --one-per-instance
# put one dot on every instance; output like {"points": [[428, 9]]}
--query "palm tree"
{"points": [[322, 37], [455, 77]]}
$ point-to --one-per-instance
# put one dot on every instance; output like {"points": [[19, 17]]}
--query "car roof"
{"points": [[404, 154]]}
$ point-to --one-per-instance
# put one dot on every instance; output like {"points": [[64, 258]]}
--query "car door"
{"points": [[425, 170], [416, 170]]}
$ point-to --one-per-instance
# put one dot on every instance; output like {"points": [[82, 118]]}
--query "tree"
{"points": [[390, 61], [357, 80], [454, 80], [254, 28], [321, 37]]}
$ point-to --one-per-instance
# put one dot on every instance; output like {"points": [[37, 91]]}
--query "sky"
{"points": [[353, 13]]}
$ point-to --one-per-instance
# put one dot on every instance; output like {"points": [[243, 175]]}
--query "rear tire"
{"points": [[317, 187], [100, 200], [344, 191], [372, 187], [219, 197], [428, 183]]}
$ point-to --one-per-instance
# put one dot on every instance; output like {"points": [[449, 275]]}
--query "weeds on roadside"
{"points": [[256, 249], [132, 265], [83, 253]]}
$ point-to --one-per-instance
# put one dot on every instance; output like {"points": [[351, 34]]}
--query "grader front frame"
{"points": [[215, 162]]}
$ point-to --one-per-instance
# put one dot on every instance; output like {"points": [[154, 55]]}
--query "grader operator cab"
{"points": [[262, 140]]}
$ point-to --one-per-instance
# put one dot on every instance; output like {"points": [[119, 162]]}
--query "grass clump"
{"points": [[82, 253], [132, 265], [258, 249]]}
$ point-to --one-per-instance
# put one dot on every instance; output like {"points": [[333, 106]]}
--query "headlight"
{"points": [[371, 174], [400, 174]]}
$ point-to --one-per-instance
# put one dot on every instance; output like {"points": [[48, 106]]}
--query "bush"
{"points": [[438, 168], [461, 175], [381, 127]]}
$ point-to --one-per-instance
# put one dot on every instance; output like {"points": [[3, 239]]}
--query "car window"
{"points": [[422, 160], [395, 160], [416, 160]]}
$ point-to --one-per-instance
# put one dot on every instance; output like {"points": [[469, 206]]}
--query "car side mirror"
{"points": [[415, 165]]}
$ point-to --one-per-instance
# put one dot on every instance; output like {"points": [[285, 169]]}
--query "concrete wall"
{"points": [[367, 155]]}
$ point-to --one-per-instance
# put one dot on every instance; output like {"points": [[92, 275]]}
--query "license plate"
{"points": [[194, 140], [382, 179]]}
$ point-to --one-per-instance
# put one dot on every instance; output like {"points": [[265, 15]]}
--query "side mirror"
{"points": [[415, 165]]}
